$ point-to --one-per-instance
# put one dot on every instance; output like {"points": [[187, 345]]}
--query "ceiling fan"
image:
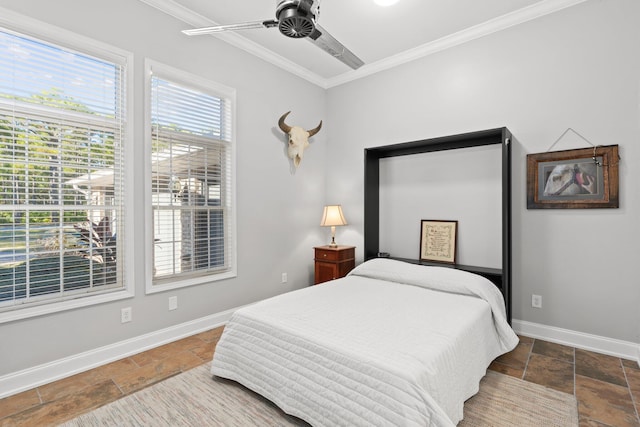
{"points": [[295, 19]]}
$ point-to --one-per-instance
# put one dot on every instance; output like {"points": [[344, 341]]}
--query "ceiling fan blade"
{"points": [[325, 41], [231, 27]]}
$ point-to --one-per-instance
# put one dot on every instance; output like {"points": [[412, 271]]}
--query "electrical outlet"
{"points": [[536, 301], [173, 303], [284, 277], [126, 315]]}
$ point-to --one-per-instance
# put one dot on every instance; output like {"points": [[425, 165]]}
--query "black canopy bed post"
{"points": [[501, 277]]}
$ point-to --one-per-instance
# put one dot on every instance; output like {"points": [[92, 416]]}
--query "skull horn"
{"points": [[285, 128], [315, 130]]}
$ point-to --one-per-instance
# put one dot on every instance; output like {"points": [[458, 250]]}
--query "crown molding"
{"points": [[500, 23], [495, 25], [190, 17]]}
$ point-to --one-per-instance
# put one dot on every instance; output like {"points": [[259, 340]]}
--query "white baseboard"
{"points": [[27, 379], [599, 344], [33, 377]]}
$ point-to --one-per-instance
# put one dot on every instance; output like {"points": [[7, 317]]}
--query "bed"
{"points": [[390, 344]]}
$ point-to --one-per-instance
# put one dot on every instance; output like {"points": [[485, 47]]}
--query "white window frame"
{"points": [[21, 24], [189, 80]]}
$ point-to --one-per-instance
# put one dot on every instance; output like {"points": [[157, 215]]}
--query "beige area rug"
{"points": [[195, 399], [507, 401]]}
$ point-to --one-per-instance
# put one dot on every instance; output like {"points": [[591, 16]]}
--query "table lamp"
{"points": [[331, 217]]}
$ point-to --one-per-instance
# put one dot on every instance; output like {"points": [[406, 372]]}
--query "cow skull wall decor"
{"points": [[298, 138]]}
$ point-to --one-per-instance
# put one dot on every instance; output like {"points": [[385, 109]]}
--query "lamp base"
{"points": [[333, 243]]}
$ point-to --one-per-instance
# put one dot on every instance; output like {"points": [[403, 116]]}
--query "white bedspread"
{"points": [[392, 344]]}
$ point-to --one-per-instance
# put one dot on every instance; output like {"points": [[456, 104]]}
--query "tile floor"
{"points": [[607, 388], [54, 403]]}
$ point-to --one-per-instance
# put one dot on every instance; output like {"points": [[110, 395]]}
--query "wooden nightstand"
{"points": [[333, 263]]}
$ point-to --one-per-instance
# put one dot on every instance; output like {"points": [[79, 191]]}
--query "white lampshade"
{"points": [[333, 216]]}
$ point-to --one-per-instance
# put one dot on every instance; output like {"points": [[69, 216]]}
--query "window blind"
{"points": [[191, 181], [61, 172]]}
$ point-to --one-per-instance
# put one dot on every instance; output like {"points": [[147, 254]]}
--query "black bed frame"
{"points": [[500, 277]]}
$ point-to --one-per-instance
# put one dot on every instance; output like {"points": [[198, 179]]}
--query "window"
{"points": [[191, 149], [61, 173]]}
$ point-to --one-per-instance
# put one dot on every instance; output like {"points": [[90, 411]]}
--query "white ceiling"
{"points": [[382, 37]]}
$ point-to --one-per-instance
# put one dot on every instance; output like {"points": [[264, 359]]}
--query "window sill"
{"points": [[152, 288], [26, 312]]}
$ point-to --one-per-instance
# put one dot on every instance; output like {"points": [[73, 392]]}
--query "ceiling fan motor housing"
{"points": [[295, 18]]}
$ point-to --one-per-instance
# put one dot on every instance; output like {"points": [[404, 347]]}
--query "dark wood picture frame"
{"points": [[438, 240], [573, 179]]}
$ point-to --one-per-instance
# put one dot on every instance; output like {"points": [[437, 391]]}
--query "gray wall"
{"points": [[278, 211], [463, 185], [576, 68]]}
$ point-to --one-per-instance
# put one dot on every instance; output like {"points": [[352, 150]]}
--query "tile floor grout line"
{"points": [[133, 361], [526, 364], [633, 400], [575, 387], [112, 379]]}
